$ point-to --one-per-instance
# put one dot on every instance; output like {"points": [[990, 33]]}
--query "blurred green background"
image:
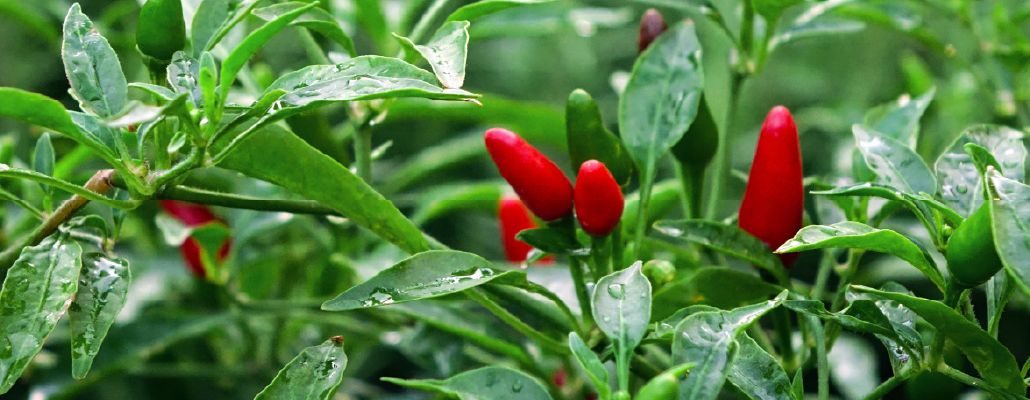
{"points": [[525, 61]]}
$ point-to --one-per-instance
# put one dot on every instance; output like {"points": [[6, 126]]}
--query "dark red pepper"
{"points": [[514, 218], [536, 179], [598, 199], [194, 215], [773, 203], [652, 24]]}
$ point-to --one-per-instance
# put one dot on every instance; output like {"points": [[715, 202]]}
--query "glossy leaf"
{"points": [[726, 239], [661, 97], [1010, 221], [814, 28], [102, 290], [856, 235], [425, 275], [621, 304], [591, 364], [43, 159], [894, 164], [995, 363], [909, 348], [486, 7], [92, 66], [863, 316], [36, 292], [446, 52], [961, 186], [708, 339], [48, 113], [721, 287], [487, 383], [899, 119], [210, 15], [251, 44], [316, 176], [315, 373], [589, 139], [183, 76], [316, 19], [552, 240], [160, 92], [757, 374]]}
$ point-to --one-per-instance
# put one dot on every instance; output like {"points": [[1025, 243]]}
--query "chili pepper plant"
{"points": [[514, 199]]}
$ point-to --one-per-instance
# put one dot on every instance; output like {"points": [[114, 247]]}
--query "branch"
{"points": [[210, 197]]}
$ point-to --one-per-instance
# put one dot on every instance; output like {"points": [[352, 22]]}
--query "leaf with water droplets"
{"points": [[487, 383], [715, 286], [1010, 216], [961, 186], [726, 239], [997, 366], [103, 286], [621, 304], [709, 339], [445, 52], [661, 97], [36, 292], [92, 66], [905, 350], [315, 373], [316, 19], [856, 235], [894, 164], [183, 75], [899, 119], [424, 275], [757, 373]]}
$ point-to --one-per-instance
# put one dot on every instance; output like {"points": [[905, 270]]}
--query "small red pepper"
{"points": [[194, 215], [598, 199], [773, 204], [514, 218], [535, 178], [652, 24]]}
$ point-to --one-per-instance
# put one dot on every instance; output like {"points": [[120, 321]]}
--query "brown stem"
{"points": [[99, 183]]}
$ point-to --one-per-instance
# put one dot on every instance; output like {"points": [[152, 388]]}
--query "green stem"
{"points": [[720, 172], [513, 321], [886, 387], [822, 362], [363, 153], [599, 250], [622, 360], [424, 24], [846, 275], [576, 269], [951, 298], [693, 184], [822, 275], [646, 182], [617, 247], [312, 48], [974, 382]]}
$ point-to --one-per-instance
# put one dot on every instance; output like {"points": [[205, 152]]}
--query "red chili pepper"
{"points": [[652, 24], [559, 378], [598, 199], [774, 199], [535, 178], [194, 215], [514, 218]]}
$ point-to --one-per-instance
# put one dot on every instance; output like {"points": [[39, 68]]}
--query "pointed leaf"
{"points": [[961, 186], [899, 119], [36, 292], [425, 275], [485, 7], [488, 383], [103, 287], [92, 66], [48, 113], [591, 364], [251, 44], [315, 373], [856, 235], [183, 74], [757, 373], [621, 304], [445, 52], [726, 239], [316, 19], [895, 165], [1010, 216]]}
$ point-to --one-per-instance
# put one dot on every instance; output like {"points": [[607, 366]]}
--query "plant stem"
{"points": [[693, 184], [232, 200], [886, 387], [363, 153], [617, 247], [99, 183], [576, 269], [646, 181], [951, 297], [846, 275], [974, 382], [422, 27], [507, 317], [311, 47], [601, 253]]}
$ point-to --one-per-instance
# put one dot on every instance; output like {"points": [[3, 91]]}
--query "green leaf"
{"points": [[454, 320], [183, 74], [424, 275], [661, 98], [487, 383], [446, 52], [772, 9], [591, 364], [720, 287], [903, 321], [961, 186], [315, 373], [48, 113], [588, 139], [102, 289], [316, 176], [251, 44], [899, 119], [210, 15], [94, 73], [621, 305], [814, 28], [856, 235], [726, 239], [161, 92], [995, 363], [553, 240], [36, 293], [486, 7], [865, 316], [43, 160], [709, 339], [665, 195], [316, 19], [895, 165], [451, 198], [757, 374], [1010, 220]]}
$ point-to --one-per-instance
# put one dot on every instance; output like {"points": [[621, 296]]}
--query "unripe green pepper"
{"points": [[659, 272], [589, 140], [160, 30], [972, 258], [697, 147], [665, 385]]}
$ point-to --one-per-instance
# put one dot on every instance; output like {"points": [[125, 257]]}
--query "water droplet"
{"points": [[617, 290], [517, 386]]}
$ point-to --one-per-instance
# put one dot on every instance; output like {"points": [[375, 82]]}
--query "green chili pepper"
{"points": [[160, 30], [590, 140], [972, 258], [695, 151], [665, 385]]}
